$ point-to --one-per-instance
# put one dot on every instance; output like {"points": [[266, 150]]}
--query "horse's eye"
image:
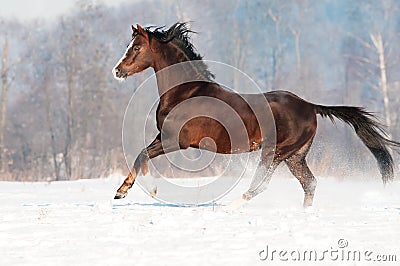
{"points": [[136, 48]]}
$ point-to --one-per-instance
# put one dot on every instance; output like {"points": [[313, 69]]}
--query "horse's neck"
{"points": [[173, 68]]}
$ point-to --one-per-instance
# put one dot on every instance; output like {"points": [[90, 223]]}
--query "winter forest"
{"points": [[61, 110]]}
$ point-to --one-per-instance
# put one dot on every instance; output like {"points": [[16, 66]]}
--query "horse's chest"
{"points": [[167, 118]]}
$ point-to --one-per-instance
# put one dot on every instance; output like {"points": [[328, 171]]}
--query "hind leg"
{"points": [[298, 166], [261, 177], [259, 182]]}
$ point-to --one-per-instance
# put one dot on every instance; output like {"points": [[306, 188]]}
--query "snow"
{"points": [[78, 223]]}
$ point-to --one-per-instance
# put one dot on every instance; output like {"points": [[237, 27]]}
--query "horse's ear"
{"points": [[142, 31], [134, 32]]}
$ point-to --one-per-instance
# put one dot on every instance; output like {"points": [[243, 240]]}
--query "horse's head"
{"points": [[138, 55]]}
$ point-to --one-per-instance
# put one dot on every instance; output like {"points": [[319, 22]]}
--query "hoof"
{"points": [[246, 197], [153, 193], [120, 195]]}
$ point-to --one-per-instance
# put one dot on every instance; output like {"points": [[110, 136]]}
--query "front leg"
{"points": [[155, 149], [141, 162]]}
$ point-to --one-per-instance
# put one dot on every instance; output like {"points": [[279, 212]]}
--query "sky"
{"points": [[45, 9]]}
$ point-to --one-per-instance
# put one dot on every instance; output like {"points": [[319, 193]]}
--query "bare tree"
{"points": [[277, 50], [3, 108], [375, 68], [383, 84], [53, 144], [296, 33], [240, 36], [70, 62], [378, 59], [5, 85]]}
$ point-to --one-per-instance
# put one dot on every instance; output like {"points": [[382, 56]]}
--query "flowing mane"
{"points": [[179, 34]]}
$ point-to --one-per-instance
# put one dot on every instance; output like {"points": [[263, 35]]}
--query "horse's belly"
{"points": [[213, 136]]}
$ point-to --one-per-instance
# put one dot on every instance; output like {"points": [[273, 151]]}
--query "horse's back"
{"points": [[289, 103]]}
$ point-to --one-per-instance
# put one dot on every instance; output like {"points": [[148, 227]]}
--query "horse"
{"points": [[293, 119]]}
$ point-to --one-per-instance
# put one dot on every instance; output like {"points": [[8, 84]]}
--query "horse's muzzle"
{"points": [[119, 73]]}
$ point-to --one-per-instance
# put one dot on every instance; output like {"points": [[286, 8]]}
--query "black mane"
{"points": [[179, 34]]}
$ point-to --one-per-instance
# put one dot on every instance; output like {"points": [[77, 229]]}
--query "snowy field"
{"points": [[78, 223]]}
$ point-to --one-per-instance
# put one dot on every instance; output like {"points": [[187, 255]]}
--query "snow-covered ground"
{"points": [[78, 223]]}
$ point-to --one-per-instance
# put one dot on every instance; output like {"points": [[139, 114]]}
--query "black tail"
{"points": [[369, 130]]}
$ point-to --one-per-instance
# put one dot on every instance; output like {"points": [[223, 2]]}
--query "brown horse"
{"points": [[293, 119]]}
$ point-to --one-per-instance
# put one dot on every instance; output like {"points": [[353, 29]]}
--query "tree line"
{"points": [[61, 111]]}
